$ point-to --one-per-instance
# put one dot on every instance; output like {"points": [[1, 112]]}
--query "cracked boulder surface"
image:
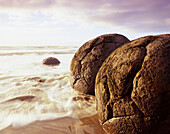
{"points": [[89, 58], [132, 87]]}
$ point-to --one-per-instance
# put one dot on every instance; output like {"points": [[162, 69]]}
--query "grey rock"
{"points": [[89, 58], [51, 61]]}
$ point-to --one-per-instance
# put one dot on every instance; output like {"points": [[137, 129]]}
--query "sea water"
{"points": [[31, 91]]}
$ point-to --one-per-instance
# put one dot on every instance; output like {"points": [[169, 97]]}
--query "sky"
{"points": [[73, 22]]}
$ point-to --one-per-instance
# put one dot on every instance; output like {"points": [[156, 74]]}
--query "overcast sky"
{"points": [[73, 22]]}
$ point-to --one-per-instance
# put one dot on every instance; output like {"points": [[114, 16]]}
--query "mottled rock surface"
{"points": [[51, 61], [133, 87], [89, 58]]}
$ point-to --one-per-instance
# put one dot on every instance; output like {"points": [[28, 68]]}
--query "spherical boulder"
{"points": [[51, 61], [132, 87], [88, 59]]}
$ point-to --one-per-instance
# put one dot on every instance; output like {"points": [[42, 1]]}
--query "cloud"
{"points": [[139, 16], [131, 15], [26, 3], [167, 21]]}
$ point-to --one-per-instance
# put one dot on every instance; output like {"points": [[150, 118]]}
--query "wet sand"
{"points": [[67, 125]]}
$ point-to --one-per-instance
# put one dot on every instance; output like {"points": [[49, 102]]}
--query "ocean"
{"points": [[31, 91]]}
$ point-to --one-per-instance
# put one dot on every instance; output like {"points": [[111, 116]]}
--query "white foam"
{"points": [[30, 91]]}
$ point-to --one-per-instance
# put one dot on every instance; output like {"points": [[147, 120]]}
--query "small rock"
{"points": [[77, 98], [51, 61]]}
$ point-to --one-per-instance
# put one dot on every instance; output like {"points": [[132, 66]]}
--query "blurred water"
{"points": [[30, 91]]}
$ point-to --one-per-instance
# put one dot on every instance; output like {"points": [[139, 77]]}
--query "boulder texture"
{"points": [[133, 87], [89, 58], [51, 61]]}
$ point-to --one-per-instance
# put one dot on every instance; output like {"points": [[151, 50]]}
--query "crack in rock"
{"points": [[123, 73], [89, 58]]}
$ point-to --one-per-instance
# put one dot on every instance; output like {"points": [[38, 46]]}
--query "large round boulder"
{"points": [[89, 58], [133, 87], [52, 61]]}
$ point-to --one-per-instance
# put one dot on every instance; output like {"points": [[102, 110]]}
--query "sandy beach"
{"points": [[89, 125]]}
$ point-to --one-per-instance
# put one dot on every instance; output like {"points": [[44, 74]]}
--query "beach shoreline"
{"points": [[65, 125]]}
